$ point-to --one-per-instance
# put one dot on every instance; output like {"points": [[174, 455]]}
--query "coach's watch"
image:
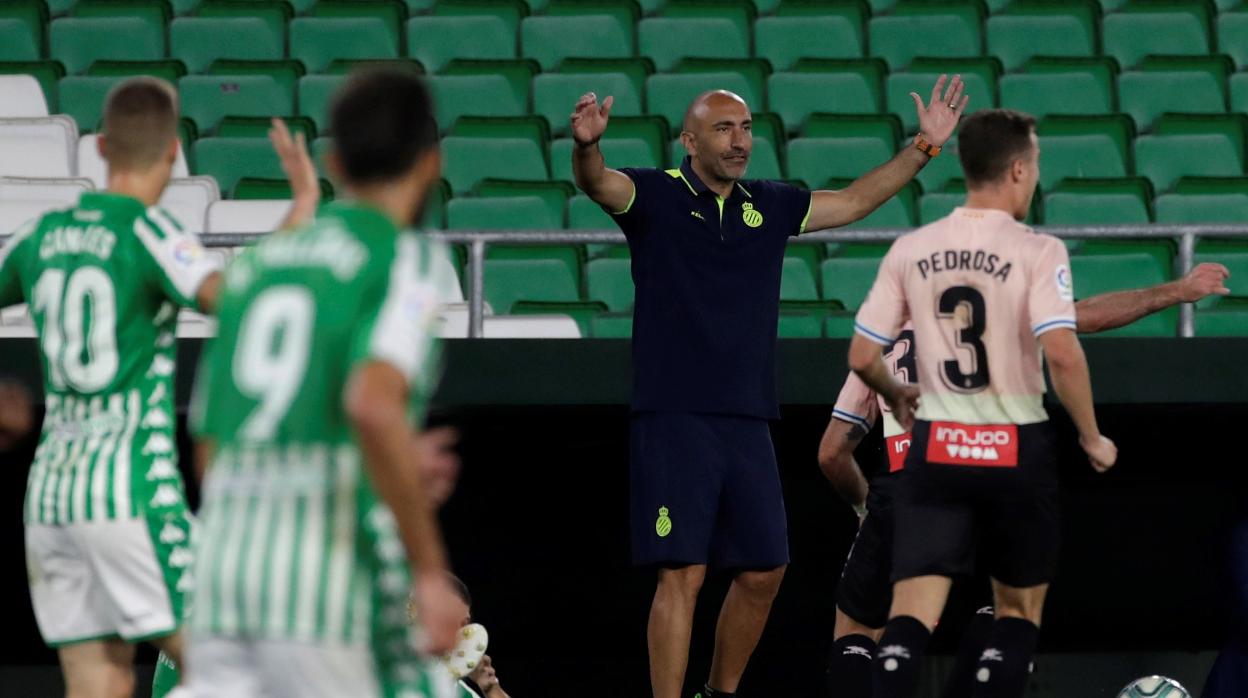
{"points": [[921, 143]]}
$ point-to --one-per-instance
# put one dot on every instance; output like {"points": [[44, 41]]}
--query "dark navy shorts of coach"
{"points": [[705, 490]]}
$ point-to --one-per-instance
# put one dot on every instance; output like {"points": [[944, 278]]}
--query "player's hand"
{"points": [[1101, 451], [439, 463], [292, 152], [485, 676], [435, 609], [589, 119], [1205, 279], [904, 403], [939, 119]]}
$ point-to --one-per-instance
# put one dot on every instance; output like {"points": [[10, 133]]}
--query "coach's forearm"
{"points": [[1111, 310], [871, 190], [589, 168]]}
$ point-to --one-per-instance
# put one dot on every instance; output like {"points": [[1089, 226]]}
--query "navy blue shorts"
{"points": [[706, 491]]}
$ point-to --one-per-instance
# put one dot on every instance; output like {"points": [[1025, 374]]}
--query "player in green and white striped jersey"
{"points": [[314, 512], [107, 528]]}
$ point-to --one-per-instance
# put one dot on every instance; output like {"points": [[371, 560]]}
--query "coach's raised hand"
{"points": [[939, 119], [589, 119]]}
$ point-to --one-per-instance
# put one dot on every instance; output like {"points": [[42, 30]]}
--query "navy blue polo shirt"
{"points": [[707, 274]]}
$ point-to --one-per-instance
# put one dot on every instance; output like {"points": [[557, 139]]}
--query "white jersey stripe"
{"points": [[232, 545], [311, 533], [53, 468], [258, 521], [187, 274], [361, 616], [102, 468], [68, 468], [82, 460], [342, 544], [396, 335], [281, 574], [121, 462]]}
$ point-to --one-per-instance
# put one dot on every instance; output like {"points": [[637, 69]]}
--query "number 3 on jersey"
{"points": [[969, 336], [271, 357], [71, 326]]}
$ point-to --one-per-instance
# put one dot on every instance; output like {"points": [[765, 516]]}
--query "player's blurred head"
{"points": [[140, 126], [999, 151], [717, 134], [385, 135]]}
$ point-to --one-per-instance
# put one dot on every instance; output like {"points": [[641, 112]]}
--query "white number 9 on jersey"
{"points": [[271, 356]]}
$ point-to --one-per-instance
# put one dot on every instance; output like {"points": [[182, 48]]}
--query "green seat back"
{"points": [[555, 95], [436, 41], [549, 40], [510, 12], [206, 99], [315, 93], [795, 96], [276, 14], [1081, 155], [198, 41], [848, 279], [1098, 203], [77, 42], [611, 281], [318, 41], [472, 95], [553, 195], [898, 86], [947, 30], [518, 72], [508, 281], [82, 97], [742, 13], [1164, 159], [1233, 36], [816, 160], [698, 37], [584, 214], [1041, 94], [17, 42], [1146, 95], [1044, 28], [669, 95], [231, 159], [797, 283], [937, 205], [619, 152], [613, 325], [1141, 29], [626, 13], [636, 68], [784, 40], [500, 213], [392, 13], [467, 160]]}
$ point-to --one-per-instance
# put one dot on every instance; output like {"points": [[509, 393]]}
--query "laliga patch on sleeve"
{"points": [[1065, 285], [963, 444], [187, 251]]}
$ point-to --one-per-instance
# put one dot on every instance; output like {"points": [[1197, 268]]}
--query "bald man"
{"points": [[707, 250]]}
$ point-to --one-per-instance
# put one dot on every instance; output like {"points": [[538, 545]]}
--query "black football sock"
{"points": [[974, 638], [708, 692], [899, 658], [1006, 662], [849, 667]]}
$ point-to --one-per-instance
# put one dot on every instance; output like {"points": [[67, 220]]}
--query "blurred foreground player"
{"points": [[865, 590], [985, 294], [707, 249], [107, 526], [315, 512]]}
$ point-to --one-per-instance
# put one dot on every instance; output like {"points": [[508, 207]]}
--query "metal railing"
{"points": [[477, 241]]}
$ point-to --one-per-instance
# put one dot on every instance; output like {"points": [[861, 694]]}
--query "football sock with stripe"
{"points": [[849, 667], [1006, 662], [899, 658], [974, 637], [708, 692]]}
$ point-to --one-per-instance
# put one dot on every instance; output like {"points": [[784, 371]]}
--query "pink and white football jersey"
{"points": [[859, 404], [979, 288]]}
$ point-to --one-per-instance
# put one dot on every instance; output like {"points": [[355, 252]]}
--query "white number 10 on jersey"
{"points": [[68, 329]]}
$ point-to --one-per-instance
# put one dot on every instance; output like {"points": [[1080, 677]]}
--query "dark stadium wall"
{"points": [[538, 530]]}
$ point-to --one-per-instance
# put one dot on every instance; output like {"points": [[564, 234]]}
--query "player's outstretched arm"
{"points": [[376, 403], [305, 188], [1111, 310], [610, 189], [1068, 368], [836, 460], [937, 122]]}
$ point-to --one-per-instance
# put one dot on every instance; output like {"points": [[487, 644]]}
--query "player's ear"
{"points": [[171, 154], [1018, 170], [690, 142], [333, 164], [100, 147]]}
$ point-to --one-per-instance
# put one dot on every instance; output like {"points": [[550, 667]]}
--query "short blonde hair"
{"points": [[140, 120]]}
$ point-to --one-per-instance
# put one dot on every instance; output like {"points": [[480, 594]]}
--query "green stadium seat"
{"points": [[899, 211], [625, 12], [898, 86], [519, 73], [392, 13], [549, 40], [499, 213], [22, 24], [346, 66], [510, 12], [1042, 28], [1237, 264], [1238, 85], [17, 43], [231, 159], [285, 72], [763, 161], [613, 325], [435, 205], [1233, 36], [1190, 87], [797, 281], [1166, 158], [582, 312], [82, 97], [1110, 136], [169, 70], [259, 127], [1228, 208], [636, 68], [1104, 273], [611, 281], [940, 171], [651, 129], [79, 42], [741, 13], [472, 95], [785, 40], [318, 41], [156, 13], [532, 127], [436, 41], [817, 160], [251, 188], [799, 324], [508, 281], [276, 14], [1140, 29], [584, 214], [699, 37], [1079, 155], [555, 95], [1120, 201], [948, 30], [46, 73], [839, 325], [1228, 321], [468, 160], [198, 41], [618, 152], [1042, 94], [848, 279], [205, 99], [795, 96], [883, 126], [937, 205], [670, 94], [315, 92], [553, 195], [755, 71]]}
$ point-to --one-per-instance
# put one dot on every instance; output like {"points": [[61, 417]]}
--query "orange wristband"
{"points": [[921, 143]]}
